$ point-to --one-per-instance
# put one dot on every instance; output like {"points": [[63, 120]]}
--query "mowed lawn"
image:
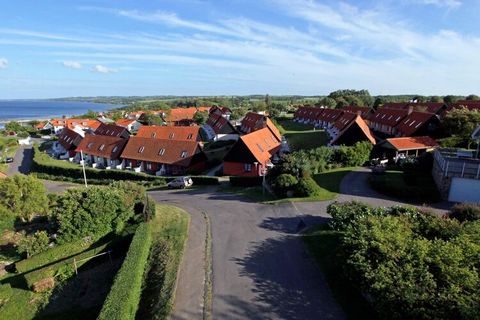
{"points": [[301, 136]]}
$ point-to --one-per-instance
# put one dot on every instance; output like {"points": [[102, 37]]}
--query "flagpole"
{"points": [[83, 166]]}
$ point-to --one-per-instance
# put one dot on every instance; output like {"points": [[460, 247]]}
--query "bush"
{"points": [[123, 299], [347, 214], [307, 187], [284, 183], [246, 181], [204, 180], [150, 208], [91, 212], [465, 212], [34, 244]]}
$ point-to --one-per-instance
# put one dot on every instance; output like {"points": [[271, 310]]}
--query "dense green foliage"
{"points": [[24, 196], [284, 183], [91, 212], [350, 97], [246, 181], [412, 265], [461, 123], [123, 300], [200, 117], [204, 180], [5, 293], [34, 244], [307, 187], [465, 212]]}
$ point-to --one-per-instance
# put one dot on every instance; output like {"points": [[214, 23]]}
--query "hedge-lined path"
{"points": [[260, 267]]}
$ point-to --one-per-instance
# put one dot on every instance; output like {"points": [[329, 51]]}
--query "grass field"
{"points": [[301, 136], [324, 245], [170, 232], [329, 183]]}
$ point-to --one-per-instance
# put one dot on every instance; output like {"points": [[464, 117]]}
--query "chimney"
{"points": [[410, 109]]}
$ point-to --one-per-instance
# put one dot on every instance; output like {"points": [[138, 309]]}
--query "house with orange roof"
{"points": [[58, 124], [101, 151], [191, 133], [252, 154], [132, 125], [395, 149], [349, 129], [163, 156]]}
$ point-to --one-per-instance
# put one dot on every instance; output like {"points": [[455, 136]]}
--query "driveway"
{"points": [[260, 267], [22, 161]]}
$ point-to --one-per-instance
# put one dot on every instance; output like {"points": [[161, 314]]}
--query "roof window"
{"points": [[183, 154], [161, 152], [140, 150]]}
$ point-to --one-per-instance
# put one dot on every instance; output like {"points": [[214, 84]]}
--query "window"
{"points": [[171, 135], [101, 147], [190, 136], [89, 145], [149, 166], [247, 167], [115, 149], [154, 134], [161, 152], [259, 148], [183, 154], [140, 150]]}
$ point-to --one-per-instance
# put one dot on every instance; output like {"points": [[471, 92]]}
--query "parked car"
{"points": [[9, 160], [180, 183]]}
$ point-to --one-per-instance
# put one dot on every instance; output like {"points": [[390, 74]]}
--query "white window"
{"points": [[140, 150], [247, 167], [149, 166], [89, 145], [183, 154], [190, 136], [115, 149], [154, 134], [161, 152], [171, 135], [101, 147]]}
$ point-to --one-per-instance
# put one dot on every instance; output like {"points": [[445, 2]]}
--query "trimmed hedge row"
{"points": [[123, 299], [42, 164], [5, 292], [205, 180], [246, 181]]}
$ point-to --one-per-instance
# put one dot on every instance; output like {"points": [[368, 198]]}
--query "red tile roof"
{"points": [[253, 121], [412, 143], [191, 133], [329, 115], [102, 146], [469, 104], [72, 123], [124, 122], [389, 117], [111, 130], [363, 111], [432, 107], [274, 129], [413, 122], [308, 112], [358, 120], [161, 151], [69, 138], [344, 120]]}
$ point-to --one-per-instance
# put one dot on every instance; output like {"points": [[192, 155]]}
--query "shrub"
{"points": [[133, 193], [246, 181], [307, 187], [284, 182], [465, 212], [34, 244], [150, 208], [123, 299], [347, 214], [90, 212], [204, 180]]}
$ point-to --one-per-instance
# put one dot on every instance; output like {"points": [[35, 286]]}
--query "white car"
{"points": [[180, 183]]}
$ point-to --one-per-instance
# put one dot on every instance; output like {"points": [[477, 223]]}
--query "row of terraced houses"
{"points": [[175, 148]]}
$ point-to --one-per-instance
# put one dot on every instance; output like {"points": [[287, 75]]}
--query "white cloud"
{"points": [[3, 63], [103, 69], [72, 64], [441, 3]]}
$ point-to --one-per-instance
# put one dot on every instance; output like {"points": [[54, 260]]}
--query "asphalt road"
{"points": [[22, 161], [260, 267]]}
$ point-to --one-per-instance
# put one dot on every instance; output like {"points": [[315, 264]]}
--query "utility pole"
{"points": [[83, 167]]}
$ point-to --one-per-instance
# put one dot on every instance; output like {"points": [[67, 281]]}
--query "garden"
{"points": [[301, 136]]}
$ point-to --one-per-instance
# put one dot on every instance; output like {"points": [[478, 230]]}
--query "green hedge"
{"points": [[124, 297], [5, 292], [205, 180], [52, 269], [246, 181], [45, 166]]}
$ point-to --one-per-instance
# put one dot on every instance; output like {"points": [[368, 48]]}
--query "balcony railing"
{"points": [[457, 163]]}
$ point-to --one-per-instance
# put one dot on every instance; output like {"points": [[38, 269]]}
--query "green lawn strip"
{"points": [[22, 304], [301, 136], [324, 246], [170, 232], [413, 186], [329, 183]]}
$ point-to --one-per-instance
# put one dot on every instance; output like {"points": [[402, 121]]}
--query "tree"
{"points": [[200, 117], [328, 102], [34, 244], [153, 119], [461, 123], [450, 99], [92, 212], [24, 196], [238, 113], [436, 99], [472, 97], [284, 182], [378, 103], [14, 126]]}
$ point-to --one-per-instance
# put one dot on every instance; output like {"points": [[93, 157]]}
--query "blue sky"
{"points": [[53, 48]]}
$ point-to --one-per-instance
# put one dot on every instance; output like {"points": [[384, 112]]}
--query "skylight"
{"points": [[140, 150], [161, 152]]}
